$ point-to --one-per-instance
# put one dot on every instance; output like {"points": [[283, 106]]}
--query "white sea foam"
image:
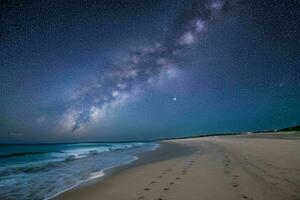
{"points": [[95, 175], [60, 168]]}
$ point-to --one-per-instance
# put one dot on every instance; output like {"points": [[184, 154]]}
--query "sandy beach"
{"points": [[257, 167]]}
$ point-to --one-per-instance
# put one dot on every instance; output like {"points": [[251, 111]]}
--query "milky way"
{"points": [[115, 85], [141, 70]]}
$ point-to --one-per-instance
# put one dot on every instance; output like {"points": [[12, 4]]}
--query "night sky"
{"points": [[115, 70]]}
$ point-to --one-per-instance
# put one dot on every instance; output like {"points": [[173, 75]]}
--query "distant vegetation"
{"points": [[295, 128]]}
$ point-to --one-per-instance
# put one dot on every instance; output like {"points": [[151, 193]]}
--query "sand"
{"points": [[226, 167]]}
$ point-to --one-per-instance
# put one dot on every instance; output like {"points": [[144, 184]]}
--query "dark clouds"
{"points": [[116, 84]]}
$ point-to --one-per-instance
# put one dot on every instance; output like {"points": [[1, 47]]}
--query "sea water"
{"points": [[44, 171]]}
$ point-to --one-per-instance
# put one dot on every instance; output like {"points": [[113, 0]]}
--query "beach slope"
{"points": [[260, 167]]}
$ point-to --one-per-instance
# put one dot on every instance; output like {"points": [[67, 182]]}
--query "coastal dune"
{"points": [[222, 167]]}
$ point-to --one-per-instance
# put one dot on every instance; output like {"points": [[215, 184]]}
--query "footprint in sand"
{"points": [[166, 189], [184, 171], [235, 185], [245, 197], [171, 183], [235, 177], [141, 197], [159, 176], [147, 189], [226, 162], [177, 178], [152, 182]]}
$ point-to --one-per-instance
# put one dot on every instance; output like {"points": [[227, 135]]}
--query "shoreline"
{"points": [[238, 167], [105, 173], [157, 155]]}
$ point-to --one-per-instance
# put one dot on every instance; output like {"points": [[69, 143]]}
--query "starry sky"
{"points": [[117, 70]]}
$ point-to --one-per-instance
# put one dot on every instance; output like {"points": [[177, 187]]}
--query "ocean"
{"points": [[44, 171]]}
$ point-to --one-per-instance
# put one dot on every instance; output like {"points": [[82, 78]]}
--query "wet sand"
{"points": [[224, 167]]}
